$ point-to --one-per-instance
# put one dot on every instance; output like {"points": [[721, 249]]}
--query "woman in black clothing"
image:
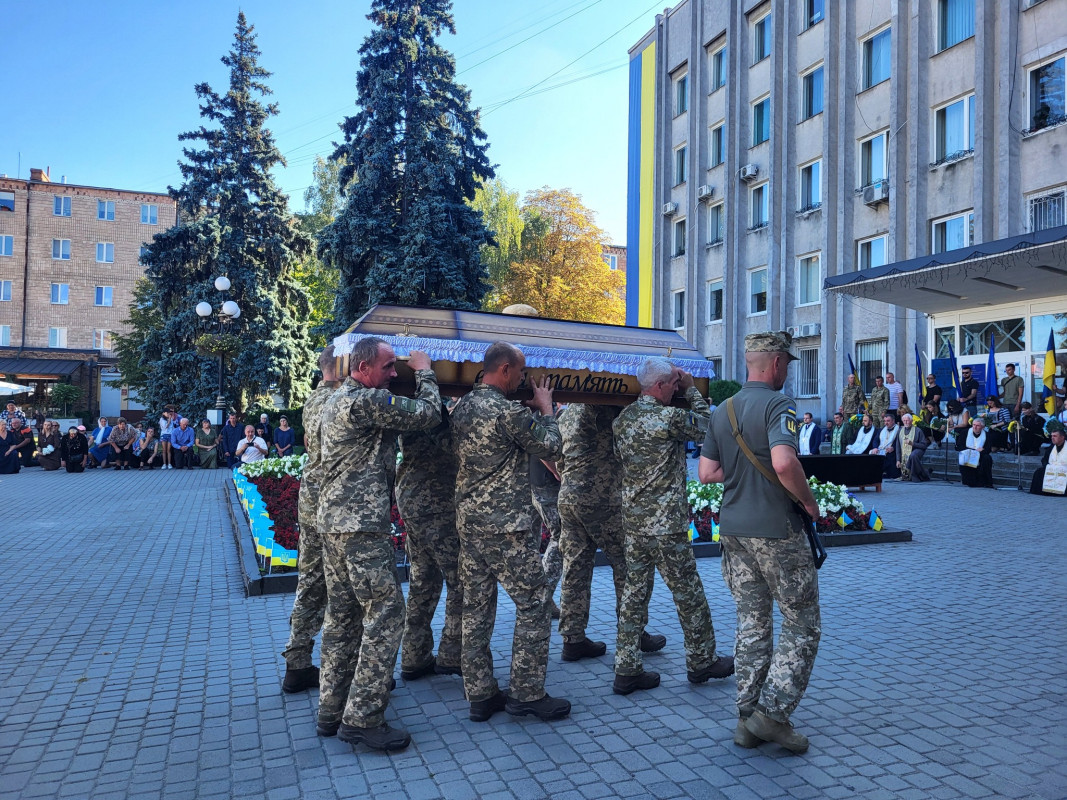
{"points": [[74, 449]]}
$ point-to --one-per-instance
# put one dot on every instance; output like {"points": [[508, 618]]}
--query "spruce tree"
{"points": [[414, 155], [233, 221]]}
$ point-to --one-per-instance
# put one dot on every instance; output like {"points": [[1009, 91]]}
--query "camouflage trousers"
{"points": [[673, 555], [487, 557], [433, 549], [309, 607], [545, 501], [759, 573], [584, 529], [363, 627]]}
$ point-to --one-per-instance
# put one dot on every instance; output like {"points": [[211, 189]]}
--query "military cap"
{"points": [[770, 342]]}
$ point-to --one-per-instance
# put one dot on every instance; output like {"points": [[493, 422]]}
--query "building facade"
{"points": [[614, 255], [786, 155], [69, 260]]}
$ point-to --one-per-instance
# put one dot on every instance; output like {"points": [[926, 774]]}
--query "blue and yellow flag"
{"points": [[693, 533], [844, 520], [1048, 378], [992, 387], [714, 531], [875, 521], [920, 385], [955, 371]]}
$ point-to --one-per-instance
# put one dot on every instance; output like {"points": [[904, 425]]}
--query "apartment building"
{"points": [[69, 259], [877, 176]]}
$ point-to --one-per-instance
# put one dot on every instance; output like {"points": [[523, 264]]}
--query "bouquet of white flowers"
{"points": [[276, 467]]}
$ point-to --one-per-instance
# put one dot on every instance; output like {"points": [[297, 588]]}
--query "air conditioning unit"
{"points": [[670, 209], [793, 331], [749, 172], [705, 192], [811, 329], [876, 193]]}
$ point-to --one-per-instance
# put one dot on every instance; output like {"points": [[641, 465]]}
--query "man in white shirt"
{"points": [[887, 445], [895, 392], [810, 436], [252, 448]]}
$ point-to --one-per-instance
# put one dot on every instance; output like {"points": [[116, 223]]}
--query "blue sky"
{"points": [[101, 90]]}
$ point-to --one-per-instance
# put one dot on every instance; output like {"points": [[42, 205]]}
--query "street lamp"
{"points": [[227, 313]]}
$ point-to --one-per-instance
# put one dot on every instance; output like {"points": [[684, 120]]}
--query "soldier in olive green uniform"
{"points": [[852, 399], [309, 607], [358, 436], [590, 509], [765, 553], [426, 499], [879, 400], [493, 438], [650, 439]]}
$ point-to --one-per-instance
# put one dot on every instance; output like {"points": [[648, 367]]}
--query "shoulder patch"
{"points": [[405, 404], [792, 410], [537, 430], [789, 424]]}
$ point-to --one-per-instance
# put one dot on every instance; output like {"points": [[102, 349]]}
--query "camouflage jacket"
{"points": [[590, 469], [650, 442], [493, 438], [879, 404], [310, 479], [852, 400], [358, 437], [426, 476]]}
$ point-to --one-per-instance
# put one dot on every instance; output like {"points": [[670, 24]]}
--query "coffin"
{"points": [[585, 362], [846, 470]]}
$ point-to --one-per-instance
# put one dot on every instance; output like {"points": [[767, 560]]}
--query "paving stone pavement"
{"points": [[133, 666]]}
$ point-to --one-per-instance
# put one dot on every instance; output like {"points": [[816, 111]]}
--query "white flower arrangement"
{"points": [[832, 498], [704, 496], [275, 467]]}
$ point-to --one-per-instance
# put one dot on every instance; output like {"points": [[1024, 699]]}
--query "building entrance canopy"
{"points": [[42, 368], [1027, 267]]}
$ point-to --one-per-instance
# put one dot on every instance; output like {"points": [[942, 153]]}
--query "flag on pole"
{"points": [[844, 520], [1048, 378], [693, 533], [920, 390], [955, 372], [992, 387], [875, 521], [714, 531]]}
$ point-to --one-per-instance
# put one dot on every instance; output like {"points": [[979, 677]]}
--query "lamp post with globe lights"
{"points": [[217, 323]]}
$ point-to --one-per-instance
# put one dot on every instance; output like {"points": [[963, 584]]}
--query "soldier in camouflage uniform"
{"points": [[494, 438], [544, 486], [358, 436], [309, 607], [879, 400], [765, 553], [650, 439], [425, 497], [590, 508], [853, 399]]}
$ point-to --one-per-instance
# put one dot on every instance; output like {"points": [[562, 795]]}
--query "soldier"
{"points": [[879, 399], [494, 438], [650, 438], [358, 436], [853, 399], [590, 508], [309, 607], [544, 486], [426, 499], [765, 555]]}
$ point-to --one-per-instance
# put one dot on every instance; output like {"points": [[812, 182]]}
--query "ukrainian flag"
{"points": [[844, 520], [955, 371], [875, 521], [1048, 378], [714, 531], [693, 533]]}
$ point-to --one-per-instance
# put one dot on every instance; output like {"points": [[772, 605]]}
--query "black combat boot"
{"points": [[586, 648], [298, 680], [624, 684], [381, 737]]}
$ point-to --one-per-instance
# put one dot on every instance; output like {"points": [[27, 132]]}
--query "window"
{"points": [[954, 126], [762, 39], [60, 293], [104, 295], [811, 186], [149, 214], [718, 144], [678, 308], [715, 301], [61, 249], [1045, 210], [942, 338], [808, 374], [813, 93], [105, 252], [718, 69], [1010, 335], [874, 159], [142, 252], [679, 238], [61, 206], [761, 121], [7, 245], [7, 201], [101, 340], [876, 53], [1047, 105], [5, 291], [760, 203], [952, 233], [757, 291], [716, 223], [873, 252], [57, 337], [955, 22], [716, 365], [809, 280], [813, 12], [679, 164], [872, 358], [611, 260], [105, 209], [5, 335], [681, 95]]}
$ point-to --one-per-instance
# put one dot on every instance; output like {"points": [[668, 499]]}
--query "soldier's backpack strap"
{"points": [[818, 552]]}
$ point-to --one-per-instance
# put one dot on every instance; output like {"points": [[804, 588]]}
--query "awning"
{"points": [[1020, 268], [38, 367]]}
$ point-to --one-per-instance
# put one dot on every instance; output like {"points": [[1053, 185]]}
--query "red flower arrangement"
{"points": [[281, 495]]}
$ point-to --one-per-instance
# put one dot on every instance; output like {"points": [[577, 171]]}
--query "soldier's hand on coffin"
{"points": [[542, 397], [418, 360], [685, 381]]}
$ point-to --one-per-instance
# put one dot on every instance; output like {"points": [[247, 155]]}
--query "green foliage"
{"points": [[719, 391], [502, 213], [144, 318], [319, 280], [214, 344], [415, 155], [65, 394], [234, 222]]}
